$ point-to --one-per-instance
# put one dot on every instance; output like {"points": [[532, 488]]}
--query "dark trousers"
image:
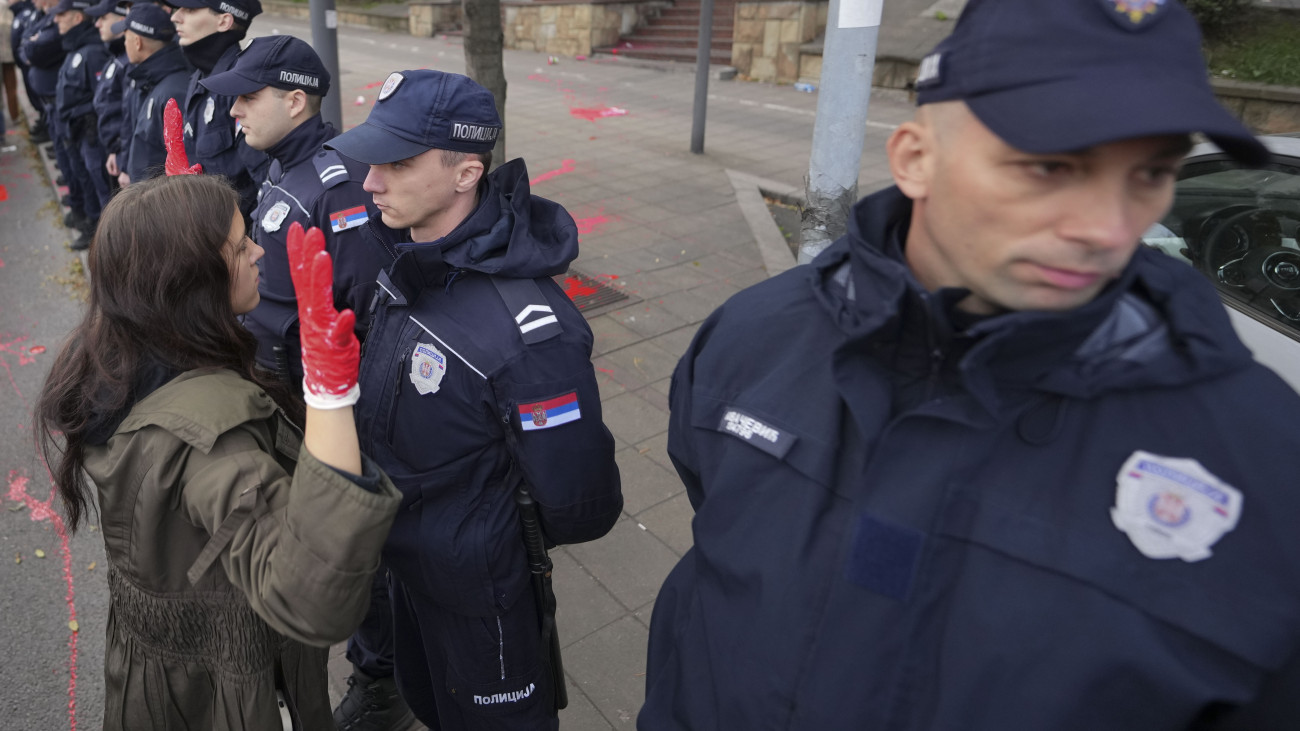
{"points": [[98, 190], [370, 648], [73, 172], [9, 74], [471, 673]]}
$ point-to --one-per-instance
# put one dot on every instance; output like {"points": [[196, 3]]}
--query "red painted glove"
{"points": [[178, 163], [331, 354]]}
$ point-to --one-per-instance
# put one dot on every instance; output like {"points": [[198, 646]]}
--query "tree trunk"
{"points": [[483, 43]]}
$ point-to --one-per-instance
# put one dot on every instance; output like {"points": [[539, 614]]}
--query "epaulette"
{"points": [[526, 303], [330, 168]]}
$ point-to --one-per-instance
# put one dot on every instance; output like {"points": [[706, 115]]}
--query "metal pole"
{"points": [[324, 38], [702, 76], [848, 60]]}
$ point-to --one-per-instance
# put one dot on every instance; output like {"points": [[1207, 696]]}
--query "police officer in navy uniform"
{"points": [[278, 83], [481, 382], [158, 72], [210, 32], [25, 13], [75, 110], [989, 462], [42, 49], [112, 80]]}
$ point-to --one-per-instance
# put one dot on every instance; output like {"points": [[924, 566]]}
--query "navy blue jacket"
{"points": [[450, 364], [211, 137], [906, 525], [109, 91], [152, 82], [312, 187], [42, 50], [75, 95], [24, 11]]}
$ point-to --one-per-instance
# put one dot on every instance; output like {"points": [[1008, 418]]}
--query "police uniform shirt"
{"points": [[211, 137], [80, 71], [109, 89], [312, 187], [42, 48]]}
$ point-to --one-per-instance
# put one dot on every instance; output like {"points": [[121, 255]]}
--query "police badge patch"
{"points": [[274, 217], [76, 60], [428, 366], [209, 110], [1173, 508], [108, 73], [393, 81], [1134, 15]]}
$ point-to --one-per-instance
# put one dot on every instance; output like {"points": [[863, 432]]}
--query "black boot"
{"points": [[75, 219], [372, 704]]}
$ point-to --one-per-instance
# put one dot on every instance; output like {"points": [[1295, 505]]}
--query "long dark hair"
{"points": [[160, 290]]}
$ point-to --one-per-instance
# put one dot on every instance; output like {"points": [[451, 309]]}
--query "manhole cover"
{"points": [[588, 293]]}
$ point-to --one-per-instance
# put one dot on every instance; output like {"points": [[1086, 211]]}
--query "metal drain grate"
{"points": [[587, 293]]}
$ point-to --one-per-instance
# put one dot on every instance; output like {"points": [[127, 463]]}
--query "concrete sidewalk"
{"points": [[667, 228]]}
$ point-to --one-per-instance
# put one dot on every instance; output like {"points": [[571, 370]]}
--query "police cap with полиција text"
{"points": [[281, 62]]}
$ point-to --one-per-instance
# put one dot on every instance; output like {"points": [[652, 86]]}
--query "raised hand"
{"points": [[331, 354], [178, 163]]}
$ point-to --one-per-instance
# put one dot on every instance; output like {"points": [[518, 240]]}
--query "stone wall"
{"points": [[569, 28], [768, 36], [1265, 109], [346, 17], [434, 16]]}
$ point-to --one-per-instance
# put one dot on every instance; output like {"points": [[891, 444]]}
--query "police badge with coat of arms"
{"points": [[428, 366], [1173, 508]]}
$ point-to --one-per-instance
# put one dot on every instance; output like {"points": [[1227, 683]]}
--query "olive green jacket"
{"points": [[227, 578]]}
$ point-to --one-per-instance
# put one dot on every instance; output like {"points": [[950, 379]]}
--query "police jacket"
{"points": [[904, 525], [75, 95], [312, 187], [210, 135], [23, 11], [476, 375], [108, 97], [42, 50], [152, 82]]}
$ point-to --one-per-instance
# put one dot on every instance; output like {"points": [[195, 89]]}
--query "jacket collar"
{"points": [[167, 61], [301, 143]]}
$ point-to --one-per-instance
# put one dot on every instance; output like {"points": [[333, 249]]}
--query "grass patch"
{"points": [[1261, 47]]}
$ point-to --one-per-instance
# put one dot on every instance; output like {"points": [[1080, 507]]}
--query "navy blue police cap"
{"points": [[417, 111], [104, 7], [284, 62], [148, 20], [1051, 76], [66, 5], [243, 10]]}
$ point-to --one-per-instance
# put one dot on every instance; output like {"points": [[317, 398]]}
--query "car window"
{"points": [[1240, 228]]}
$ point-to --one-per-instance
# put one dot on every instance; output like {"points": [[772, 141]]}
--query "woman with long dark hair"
{"points": [[228, 577]]}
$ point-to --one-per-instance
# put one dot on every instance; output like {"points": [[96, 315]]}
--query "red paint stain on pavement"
{"points": [[36, 349], [4, 193], [542, 78], [605, 370], [575, 288], [373, 84], [590, 224], [41, 512], [591, 114], [566, 166], [2, 263]]}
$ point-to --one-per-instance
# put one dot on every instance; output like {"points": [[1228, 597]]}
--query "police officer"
{"points": [[210, 32], [24, 12], [278, 83], [480, 371], [158, 73], [75, 110], [111, 80], [989, 463], [42, 49]]}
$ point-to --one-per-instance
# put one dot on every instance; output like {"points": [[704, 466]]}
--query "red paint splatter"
{"points": [[575, 288], [543, 78], [590, 224], [2, 263], [566, 166], [605, 370], [39, 512], [36, 349], [25, 176], [4, 193], [592, 137], [11, 347], [591, 114], [373, 84]]}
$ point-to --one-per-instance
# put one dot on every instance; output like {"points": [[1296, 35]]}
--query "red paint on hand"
{"points": [[178, 163], [566, 166], [330, 352]]}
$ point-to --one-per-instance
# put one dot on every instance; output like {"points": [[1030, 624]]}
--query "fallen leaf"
{"points": [[16, 507], [72, 625], [40, 553], [18, 558], [91, 567], [93, 529]]}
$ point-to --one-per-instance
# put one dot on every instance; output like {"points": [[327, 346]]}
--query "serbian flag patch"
{"points": [[549, 413], [351, 218]]}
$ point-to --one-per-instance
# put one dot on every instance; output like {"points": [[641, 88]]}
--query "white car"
{"points": [[1239, 227]]}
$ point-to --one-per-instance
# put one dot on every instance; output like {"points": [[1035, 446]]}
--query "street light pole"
{"points": [[848, 60], [702, 58], [324, 38]]}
